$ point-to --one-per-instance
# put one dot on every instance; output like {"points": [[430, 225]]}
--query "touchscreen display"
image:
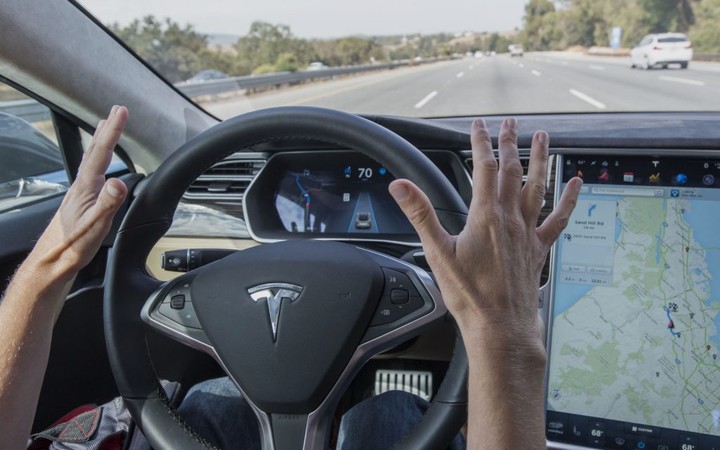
{"points": [[339, 194], [635, 322]]}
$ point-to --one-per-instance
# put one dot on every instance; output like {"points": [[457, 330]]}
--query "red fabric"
{"points": [[44, 444]]}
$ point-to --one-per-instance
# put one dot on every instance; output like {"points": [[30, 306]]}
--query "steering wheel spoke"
{"points": [[410, 302], [170, 311]]}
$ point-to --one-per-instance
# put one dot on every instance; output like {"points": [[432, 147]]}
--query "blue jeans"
{"points": [[216, 410]]}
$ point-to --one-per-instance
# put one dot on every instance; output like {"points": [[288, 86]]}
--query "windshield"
{"points": [[428, 58]]}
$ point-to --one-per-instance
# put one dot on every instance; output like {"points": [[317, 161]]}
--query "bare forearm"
{"points": [[36, 295], [27, 315], [506, 397], [489, 275]]}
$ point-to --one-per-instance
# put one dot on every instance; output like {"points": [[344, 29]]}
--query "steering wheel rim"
{"points": [[150, 216]]}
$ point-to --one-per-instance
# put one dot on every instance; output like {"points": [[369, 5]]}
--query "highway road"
{"points": [[535, 83]]}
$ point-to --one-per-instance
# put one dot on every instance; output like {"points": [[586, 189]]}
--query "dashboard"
{"points": [[629, 294]]}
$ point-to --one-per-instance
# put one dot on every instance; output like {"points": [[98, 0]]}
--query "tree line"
{"points": [[178, 52], [558, 25]]}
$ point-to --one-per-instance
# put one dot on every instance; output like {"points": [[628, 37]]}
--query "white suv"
{"points": [[661, 50]]}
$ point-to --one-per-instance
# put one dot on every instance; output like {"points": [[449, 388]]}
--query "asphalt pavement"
{"points": [[534, 83]]}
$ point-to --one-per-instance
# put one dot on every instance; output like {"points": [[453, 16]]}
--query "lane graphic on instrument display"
{"points": [[351, 200], [306, 196]]}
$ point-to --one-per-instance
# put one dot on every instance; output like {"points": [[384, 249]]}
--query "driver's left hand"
{"points": [[84, 218]]}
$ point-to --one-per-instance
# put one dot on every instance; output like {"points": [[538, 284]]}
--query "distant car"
{"points": [[207, 75], [516, 50], [316, 65], [363, 220], [661, 50], [479, 54]]}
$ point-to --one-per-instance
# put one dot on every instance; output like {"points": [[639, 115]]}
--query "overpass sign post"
{"points": [[615, 37]]}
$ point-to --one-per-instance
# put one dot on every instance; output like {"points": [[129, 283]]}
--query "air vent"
{"points": [[549, 197], [524, 161], [227, 180], [232, 168]]}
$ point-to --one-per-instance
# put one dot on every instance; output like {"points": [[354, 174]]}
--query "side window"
{"points": [[31, 166]]}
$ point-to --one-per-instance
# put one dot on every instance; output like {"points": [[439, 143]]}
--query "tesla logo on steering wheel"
{"points": [[274, 293]]}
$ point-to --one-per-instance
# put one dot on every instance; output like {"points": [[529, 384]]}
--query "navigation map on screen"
{"points": [[636, 306]]}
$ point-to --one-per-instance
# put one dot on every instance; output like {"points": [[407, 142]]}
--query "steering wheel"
{"points": [[291, 323]]}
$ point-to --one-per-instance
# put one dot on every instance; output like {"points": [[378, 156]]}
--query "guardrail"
{"points": [[215, 87], [29, 110], [33, 111], [706, 57]]}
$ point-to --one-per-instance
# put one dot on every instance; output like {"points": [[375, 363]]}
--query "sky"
{"points": [[322, 18]]}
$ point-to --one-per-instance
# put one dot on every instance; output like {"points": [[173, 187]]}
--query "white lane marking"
{"points": [[596, 67], [587, 98], [460, 75], [424, 101], [472, 67], [564, 63], [521, 65], [683, 80], [535, 72]]}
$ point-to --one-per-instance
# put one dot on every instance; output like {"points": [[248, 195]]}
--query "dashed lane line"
{"points": [[682, 80], [535, 72], [460, 75], [588, 99], [426, 99]]}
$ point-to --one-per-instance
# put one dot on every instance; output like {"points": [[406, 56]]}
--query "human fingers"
{"points": [[417, 208], [109, 200], [533, 193], [97, 132], [96, 135], [78, 244], [97, 161], [510, 172], [101, 215], [485, 166], [91, 147], [559, 218]]}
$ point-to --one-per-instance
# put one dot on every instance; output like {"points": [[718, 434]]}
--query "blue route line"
{"points": [[672, 331], [590, 210], [302, 190]]}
